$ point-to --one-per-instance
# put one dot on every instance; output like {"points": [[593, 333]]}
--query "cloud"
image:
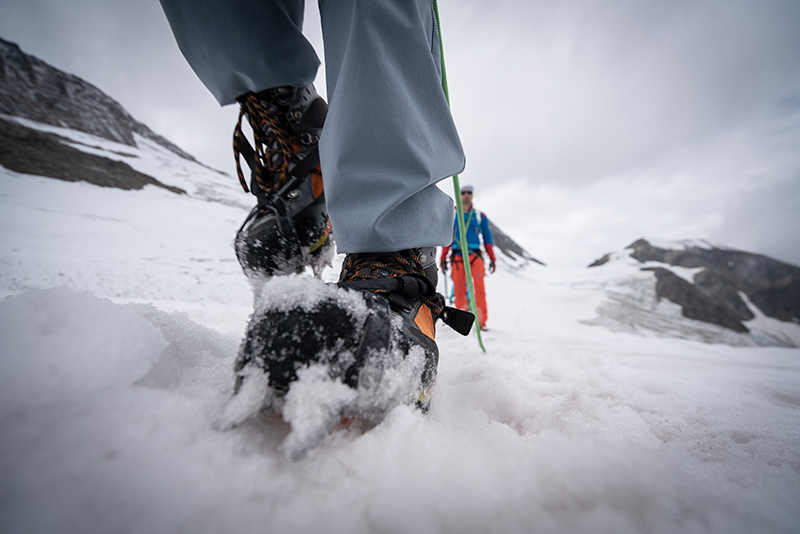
{"points": [[585, 89], [740, 189], [604, 122]]}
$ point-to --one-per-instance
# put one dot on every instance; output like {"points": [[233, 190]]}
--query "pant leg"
{"points": [[459, 284], [389, 136], [236, 46], [478, 275]]}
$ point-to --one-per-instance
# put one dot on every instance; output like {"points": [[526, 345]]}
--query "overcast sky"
{"points": [[587, 124]]}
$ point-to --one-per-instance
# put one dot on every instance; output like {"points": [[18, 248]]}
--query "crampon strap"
{"points": [[404, 290]]}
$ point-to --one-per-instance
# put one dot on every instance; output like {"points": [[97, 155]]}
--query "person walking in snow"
{"points": [[477, 228], [382, 143]]}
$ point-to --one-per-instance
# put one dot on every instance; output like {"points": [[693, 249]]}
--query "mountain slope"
{"points": [[30, 151], [34, 94], [32, 89], [514, 256], [731, 296], [772, 285]]}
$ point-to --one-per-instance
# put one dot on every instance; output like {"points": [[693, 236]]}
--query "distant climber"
{"points": [[477, 230]]}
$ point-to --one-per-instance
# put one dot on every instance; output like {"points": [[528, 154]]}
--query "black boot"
{"points": [[382, 311], [289, 227]]}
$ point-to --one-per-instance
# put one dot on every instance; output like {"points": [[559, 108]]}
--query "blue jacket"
{"points": [[477, 225]]}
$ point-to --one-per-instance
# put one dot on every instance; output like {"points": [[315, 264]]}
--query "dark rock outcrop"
{"points": [[715, 296], [772, 285], [509, 247], [601, 261], [694, 302], [30, 151], [32, 89]]}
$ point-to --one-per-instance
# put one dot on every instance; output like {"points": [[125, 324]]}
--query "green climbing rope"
{"points": [[457, 188]]}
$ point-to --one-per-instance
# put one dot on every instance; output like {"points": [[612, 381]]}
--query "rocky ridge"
{"points": [[724, 286], [28, 151], [35, 90], [515, 255]]}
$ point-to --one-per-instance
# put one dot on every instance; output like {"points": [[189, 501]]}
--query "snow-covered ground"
{"points": [[122, 317]]}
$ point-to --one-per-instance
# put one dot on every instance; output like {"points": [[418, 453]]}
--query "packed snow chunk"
{"points": [[252, 398], [196, 360], [59, 343], [314, 406], [387, 380], [285, 293]]}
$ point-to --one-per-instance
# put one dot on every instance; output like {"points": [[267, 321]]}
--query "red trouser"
{"points": [[460, 285]]}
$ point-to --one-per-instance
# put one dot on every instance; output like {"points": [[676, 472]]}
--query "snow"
{"points": [[623, 261], [790, 332], [288, 292], [122, 317], [632, 305], [683, 244]]}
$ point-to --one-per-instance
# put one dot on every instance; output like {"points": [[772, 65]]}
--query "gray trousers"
{"points": [[389, 136]]}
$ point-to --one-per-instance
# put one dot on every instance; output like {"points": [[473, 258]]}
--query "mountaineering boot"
{"points": [[406, 281], [375, 324], [307, 321], [289, 228], [410, 292]]}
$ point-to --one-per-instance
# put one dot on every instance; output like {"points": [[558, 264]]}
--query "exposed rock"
{"points": [[30, 151], [726, 274], [694, 302], [631, 306], [32, 89], [772, 285], [509, 247], [602, 261]]}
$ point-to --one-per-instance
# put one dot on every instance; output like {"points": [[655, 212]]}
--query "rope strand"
{"points": [[457, 188]]}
